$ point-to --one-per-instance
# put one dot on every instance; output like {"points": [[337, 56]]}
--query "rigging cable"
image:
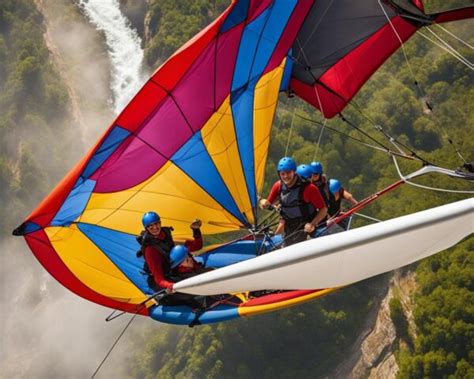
{"points": [[446, 47], [391, 139], [425, 162], [323, 124], [156, 296], [385, 150], [351, 124], [325, 119], [289, 133], [113, 346], [403, 50], [308, 68], [306, 65], [423, 96], [395, 154], [455, 36]]}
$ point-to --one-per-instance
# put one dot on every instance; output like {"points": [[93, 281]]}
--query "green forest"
{"points": [[311, 339], [34, 115]]}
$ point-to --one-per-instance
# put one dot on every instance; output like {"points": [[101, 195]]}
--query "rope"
{"points": [[325, 119], [454, 36], [447, 47], [289, 133], [403, 49], [393, 140], [390, 152], [422, 94], [363, 132], [319, 138], [113, 346]]}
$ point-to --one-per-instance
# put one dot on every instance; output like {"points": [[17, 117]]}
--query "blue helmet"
{"points": [[334, 185], [177, 255], [150, 218], [317, 168], [304, 171], [286, 164]]}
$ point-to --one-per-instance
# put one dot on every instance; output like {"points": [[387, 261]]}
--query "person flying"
{"points": [[156, 243], [302, 208], [336, 194], [320, 181]]}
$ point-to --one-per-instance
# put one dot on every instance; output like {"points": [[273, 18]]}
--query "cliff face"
{"points": [[135, 11], [372, 354]]}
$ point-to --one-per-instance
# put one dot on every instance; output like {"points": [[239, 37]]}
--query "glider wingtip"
{"points": [[26, 228]]}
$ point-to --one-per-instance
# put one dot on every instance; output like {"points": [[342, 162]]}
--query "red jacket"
{"points": [[154, 259]]}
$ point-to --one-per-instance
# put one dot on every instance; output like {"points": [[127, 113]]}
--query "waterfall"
{"points": [[123, 47]]}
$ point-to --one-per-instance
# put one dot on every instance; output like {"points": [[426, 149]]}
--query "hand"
{"points": [[196, 224], [309, 228], [264, 203], [169, 289]]}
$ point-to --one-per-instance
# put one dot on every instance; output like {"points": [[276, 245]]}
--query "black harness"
{"points": [[322, 185], [163, 246], [293, 207], [334, 207]]}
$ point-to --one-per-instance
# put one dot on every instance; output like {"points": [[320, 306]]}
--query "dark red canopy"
{"points": [[342, 43]]}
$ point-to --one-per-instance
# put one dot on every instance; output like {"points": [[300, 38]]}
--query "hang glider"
{"points": [[194, 142]]}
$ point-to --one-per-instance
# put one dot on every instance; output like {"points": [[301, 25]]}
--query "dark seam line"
{"points": [[171, 96], [219, 175], [271, 8]]}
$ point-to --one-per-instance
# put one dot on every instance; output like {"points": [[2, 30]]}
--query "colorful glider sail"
{"points": [[192, 143], [342, 43]]}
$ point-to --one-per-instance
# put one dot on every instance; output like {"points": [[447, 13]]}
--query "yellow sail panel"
{"points": [[171, 193], [91, 266], [219, 138], [265, 101]]}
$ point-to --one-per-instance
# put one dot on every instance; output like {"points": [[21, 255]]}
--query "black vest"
{"points": [[334, 207], [293, 206], [163, 246], [322, 185]]}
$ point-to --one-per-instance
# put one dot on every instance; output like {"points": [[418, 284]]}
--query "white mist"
{"points": [[123, 47]]}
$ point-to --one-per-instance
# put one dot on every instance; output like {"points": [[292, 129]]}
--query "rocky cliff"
{"points": [[372, 356]]}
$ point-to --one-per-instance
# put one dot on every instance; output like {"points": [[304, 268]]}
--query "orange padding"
{"points": [[277, 297]]}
